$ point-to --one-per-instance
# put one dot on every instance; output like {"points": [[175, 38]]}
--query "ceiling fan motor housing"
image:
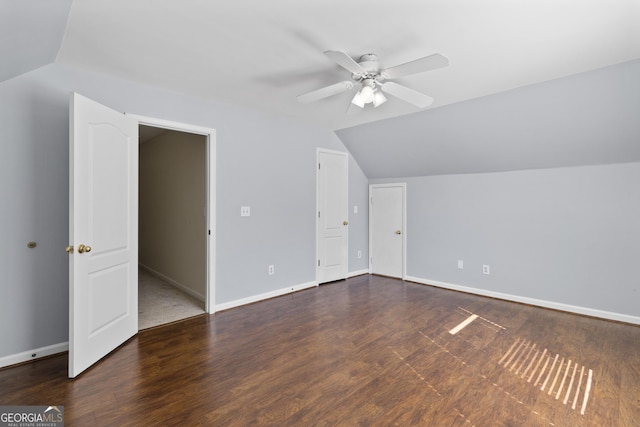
{"points": [[369, 62]]}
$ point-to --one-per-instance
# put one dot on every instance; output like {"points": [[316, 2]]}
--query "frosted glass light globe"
{"points": [[367, 94]]}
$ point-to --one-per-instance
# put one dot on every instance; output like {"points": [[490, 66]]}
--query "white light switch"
{"points": [[460, 264], [245, 211], [355, 209]]}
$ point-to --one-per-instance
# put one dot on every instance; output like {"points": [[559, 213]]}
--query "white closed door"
{"points": [[103, 231], [387, 229], [332, 220]]}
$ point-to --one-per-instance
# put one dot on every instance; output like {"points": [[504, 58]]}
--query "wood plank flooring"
{"points": [[368, 351]]}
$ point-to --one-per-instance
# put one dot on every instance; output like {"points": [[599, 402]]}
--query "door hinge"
{"points": [[318, 166], [209, 232], [318, 214], [318, 263]]}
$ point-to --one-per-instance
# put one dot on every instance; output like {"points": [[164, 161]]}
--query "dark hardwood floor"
{"points": [[369, 351]]}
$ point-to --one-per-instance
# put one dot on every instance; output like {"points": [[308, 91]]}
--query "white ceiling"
{"points": [[261, 54]]}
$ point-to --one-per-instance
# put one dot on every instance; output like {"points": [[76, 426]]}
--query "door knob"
{"points": [[345, 222], [398, 232], [83, 248], [69, 249]]}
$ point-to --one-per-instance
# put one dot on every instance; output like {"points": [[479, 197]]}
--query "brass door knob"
{"points": [[398, 232], [83, 248], [345, 222], [69, 249]]}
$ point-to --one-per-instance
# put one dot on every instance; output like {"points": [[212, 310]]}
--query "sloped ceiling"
{"points": [[589, 118], [261, 54], [30, 34]]}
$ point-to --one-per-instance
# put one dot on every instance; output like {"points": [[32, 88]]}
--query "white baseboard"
{"points": [[172, 282], [277, 293], [357, 273], [267, 295], [531, 301], [34, 354]]}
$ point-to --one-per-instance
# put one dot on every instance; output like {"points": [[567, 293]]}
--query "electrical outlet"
{"points": [[245, 211], [486, 269], [460, 264], [272, 270], [359, 254]]}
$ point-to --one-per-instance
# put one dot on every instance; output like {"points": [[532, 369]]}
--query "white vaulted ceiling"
{"points": [[262, 54]]}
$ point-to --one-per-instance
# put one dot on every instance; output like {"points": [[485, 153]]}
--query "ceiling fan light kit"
{"points": [[379, 98], [369, 94], [368, 73], [357, 100]]}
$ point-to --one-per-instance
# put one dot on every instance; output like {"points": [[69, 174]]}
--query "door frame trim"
{"points": [[210, 134], [403, 185]]}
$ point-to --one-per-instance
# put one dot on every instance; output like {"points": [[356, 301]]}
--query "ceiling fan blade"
{"points": [[427, 63], [411, 96], [345, 61], [325, 92]]}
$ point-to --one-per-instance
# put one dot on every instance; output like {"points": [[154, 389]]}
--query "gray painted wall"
{"points": [[358, 222], [263, 161], [566, 235]]}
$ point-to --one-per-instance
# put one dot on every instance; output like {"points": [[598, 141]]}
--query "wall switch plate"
{"points": [[359, 254], [486, 269], [272, 270], [355, 209], [460, 264], [245, 211]]}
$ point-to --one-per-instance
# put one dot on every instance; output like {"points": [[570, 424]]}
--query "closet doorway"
{"points": [[173, 232]]}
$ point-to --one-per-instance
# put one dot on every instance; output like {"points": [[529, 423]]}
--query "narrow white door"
{"points": [[387, 230], [103, 231], [333, 230]]}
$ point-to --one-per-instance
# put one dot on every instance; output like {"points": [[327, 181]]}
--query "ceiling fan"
{"points": [[368, 73]]}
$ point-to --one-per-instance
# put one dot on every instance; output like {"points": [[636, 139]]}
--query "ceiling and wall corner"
{"points": [[543, 64], [31, 33], [264, 59]]}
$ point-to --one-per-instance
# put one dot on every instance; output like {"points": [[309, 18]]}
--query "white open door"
{"points": [[103, 231], [387, 229], [333, 211]]}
